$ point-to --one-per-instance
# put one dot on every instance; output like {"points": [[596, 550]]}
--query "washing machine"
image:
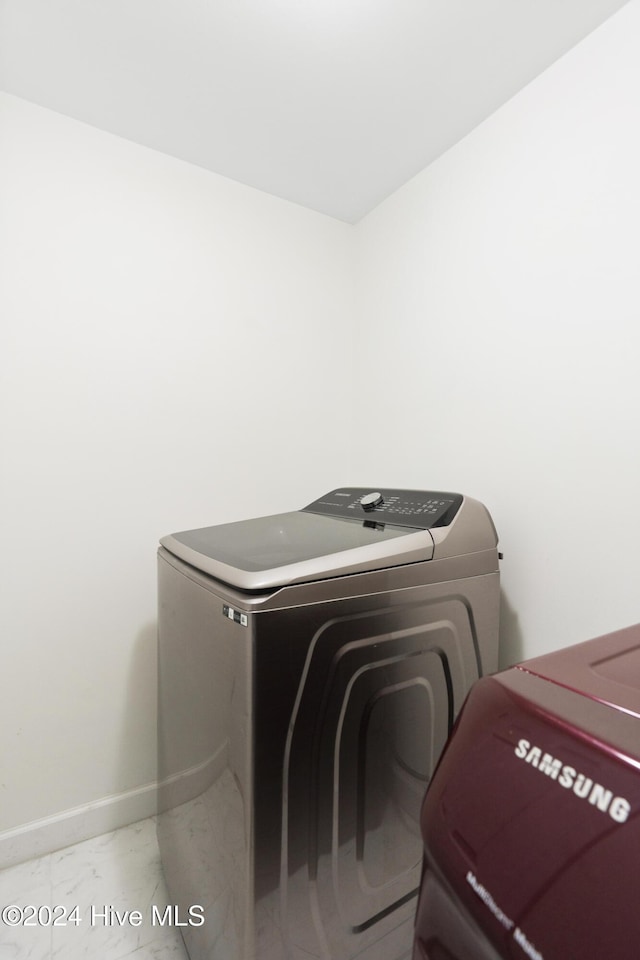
{"points": [[311, 665], [531, 823]]}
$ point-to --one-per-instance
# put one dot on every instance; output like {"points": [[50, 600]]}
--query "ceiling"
{"points": [[332, 104]]}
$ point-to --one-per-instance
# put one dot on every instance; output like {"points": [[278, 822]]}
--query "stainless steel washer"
{"points": [[311, 665]]}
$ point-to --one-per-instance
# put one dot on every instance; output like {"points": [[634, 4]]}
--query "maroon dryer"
{"points": [[531, 823]]}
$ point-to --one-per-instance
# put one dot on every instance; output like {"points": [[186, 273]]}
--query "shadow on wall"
{"points": [[138, 748], [511, 639], [136, 774]]}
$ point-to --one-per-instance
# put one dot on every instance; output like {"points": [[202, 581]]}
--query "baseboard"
{"points": [[41, 837]]}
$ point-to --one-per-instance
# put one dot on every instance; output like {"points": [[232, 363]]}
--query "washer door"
{"points": [[374, 708]]}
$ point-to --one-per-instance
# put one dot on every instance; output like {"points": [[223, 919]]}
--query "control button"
{"points": [[371, 500]]}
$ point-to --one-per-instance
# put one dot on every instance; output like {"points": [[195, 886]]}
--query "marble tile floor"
{"points": [[118, 871]]}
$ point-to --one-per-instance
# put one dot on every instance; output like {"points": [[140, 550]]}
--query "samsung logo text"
{"points": [[568, 777]]}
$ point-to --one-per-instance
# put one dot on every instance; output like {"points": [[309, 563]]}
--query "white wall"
{"points": [[175, 351], [499, 316]]}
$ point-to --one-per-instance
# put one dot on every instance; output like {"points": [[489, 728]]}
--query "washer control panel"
{"points": [[419, 509]]}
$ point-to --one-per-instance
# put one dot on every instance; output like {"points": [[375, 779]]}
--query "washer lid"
{"points": [[337, 534]]}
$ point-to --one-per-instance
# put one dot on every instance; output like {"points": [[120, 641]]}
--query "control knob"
{"points": [[371, 500]]}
